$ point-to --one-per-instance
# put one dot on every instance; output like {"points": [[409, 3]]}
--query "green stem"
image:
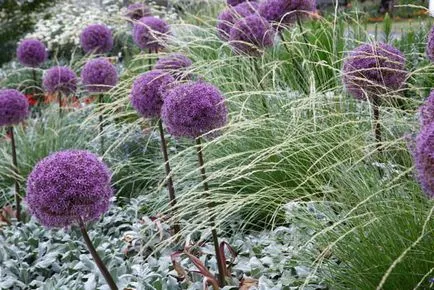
{"points": [[59, 100], [220, 263], [101, 124], [101, 266], [170, 187], [377, 124], [150, 59], [15, 164], [35, 91]]}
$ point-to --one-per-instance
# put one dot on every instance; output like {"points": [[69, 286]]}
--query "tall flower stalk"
{"points": [[99, 76], [147, 100], [170, 186], [100, 264], [372, 72], [16, 172], [220, 263], [192, 110], [14, 108], [101, 123]]}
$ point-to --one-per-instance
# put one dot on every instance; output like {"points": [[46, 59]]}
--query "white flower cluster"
{"points": [[67, 19]]}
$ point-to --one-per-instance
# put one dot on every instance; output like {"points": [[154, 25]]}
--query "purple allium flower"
{"points": [[99, 75], [147, 91], [193, 109], [69, 185], [14, 107], [372, 70], [427, 111], [60, 79], [174, 63], [31, 52], [138, 10], [96, 38], [286, 11], [150, 33], [251, 34], [230, 15], [424, 158]]}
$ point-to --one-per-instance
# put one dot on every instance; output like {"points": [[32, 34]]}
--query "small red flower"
{"points": [[32, 99], [89, 100]]}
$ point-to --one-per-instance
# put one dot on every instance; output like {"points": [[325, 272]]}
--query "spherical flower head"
{"points": [[427, 111], [286, 11], [60, 79], [67, 186], [14, 107], [194, 109], [251, 35], [96, 38], [174, 63], [138, 10], [31, 52], [430, 45], [424, 159], [230, 15], [372, 70], [99, 75], [147, 92], [150, 33]]}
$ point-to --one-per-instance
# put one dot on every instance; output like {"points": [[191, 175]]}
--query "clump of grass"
{"points": [[37, 138]]}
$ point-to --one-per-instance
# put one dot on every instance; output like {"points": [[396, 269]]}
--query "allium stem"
{"points": [[101, 266], [59, 100], [220, 263], [377, 124], [170, 187], [35, 83], [150, 60], [15, 164], [101, 124]]}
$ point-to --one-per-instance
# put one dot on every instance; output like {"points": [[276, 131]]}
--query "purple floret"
{"points": [[424, 159], [31, 52], [372, 70], [138, 10], [251, 35], [60, 79], [150, 33], [174, 63], [230, 15], [427, 111], [96, 38], [67, 186], [99, 75], [193, 109], [286, 11], [147, 91], [430, 45], [14, 107]]}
